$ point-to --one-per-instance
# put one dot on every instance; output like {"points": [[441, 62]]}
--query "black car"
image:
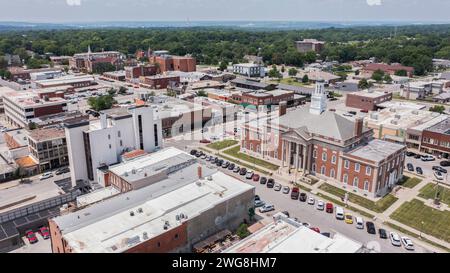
{"points": [[257, 197], [219, 162], [193, 152], [445, 163], [225, 165], [263, 180], [286, 213], [62, 170], [214, 161], [231, 166], [270, 183], [326, 234], [410, 167], [419, 170], [243, 171], [303, 197], [417, 156], [198, 154], [410, 154], [352, 112], [370, 227], [439, 169], [382, 232]]}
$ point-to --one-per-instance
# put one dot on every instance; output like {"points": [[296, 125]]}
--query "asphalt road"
{"points": [[427, 167], [324, 221]]}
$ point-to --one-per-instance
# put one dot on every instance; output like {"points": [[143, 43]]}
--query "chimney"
{"points": [[199, 172], [282, 108], [358, 126]]}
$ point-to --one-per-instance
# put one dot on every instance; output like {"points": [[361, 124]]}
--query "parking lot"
{"points": [[41, 246], [326, 222], [427, 167]]}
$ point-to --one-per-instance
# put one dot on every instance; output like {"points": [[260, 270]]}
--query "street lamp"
{"points": [[421, 230]]}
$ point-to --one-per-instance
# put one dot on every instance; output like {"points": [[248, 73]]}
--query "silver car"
{"points": [[286, 189], [277, 187]]}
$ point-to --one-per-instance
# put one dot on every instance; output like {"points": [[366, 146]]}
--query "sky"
{"points": [[63, 11]]}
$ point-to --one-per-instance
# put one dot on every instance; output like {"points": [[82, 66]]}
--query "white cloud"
{"points": [[374, 2], [73, 2]]}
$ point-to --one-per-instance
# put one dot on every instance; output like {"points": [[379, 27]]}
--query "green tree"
{"points": [[364, 84], [101, 103], [292, 71], [32, 125], [387, 78], [357, 72], [223, 66], [401, 73], [242, 231], [378, 75], [202, 93], [283, 69], [438, 109], [305, 79], [122, 90], [274, 73]]}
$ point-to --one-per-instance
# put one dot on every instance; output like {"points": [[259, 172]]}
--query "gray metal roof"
{"points": [[327, 124], [297, 89]]}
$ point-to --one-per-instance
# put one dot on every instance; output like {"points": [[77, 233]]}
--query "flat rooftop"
{"points": [[377, 150], [30, 99], [399, 118], [44, 134], [442, 127], [108, 226], [279, 92], [248, 65], [288, 236], [369, 93], [66, 80]]}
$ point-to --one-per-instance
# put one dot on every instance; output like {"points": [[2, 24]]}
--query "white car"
{"points": [[427, 158], [439, 175], [266, 208], [407, 243], [45, 175], [320, 205], [339, 213], [311, 201], [277, 187], [286, 189], [395, 239], [359, 223], [259, 203]]}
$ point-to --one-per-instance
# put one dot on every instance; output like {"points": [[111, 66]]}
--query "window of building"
{"points": [[355, 182], [357, 166], [346, 164], [176, 236], [110, 146], [314, 167], [333, 159], [322, 170], [324, 156], [368, 170], [118, 133], [345, 178], [109, 136], [314, 153], [121, 144], [366, 185], [332, 174]]}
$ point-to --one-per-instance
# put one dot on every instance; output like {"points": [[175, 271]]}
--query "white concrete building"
{"points": [[99, 143], [249, 70]]}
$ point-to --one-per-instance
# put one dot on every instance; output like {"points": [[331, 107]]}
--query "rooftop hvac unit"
{"points": [[397, 116], [145, 235], [393, 110], [131, 213], [394, 121], [133, 171], [177, 217], [209, 178], [140, 210], [415, 112]]}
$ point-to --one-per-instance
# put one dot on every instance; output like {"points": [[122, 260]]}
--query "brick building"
{"points": [[159, 81], [167, 62], [436, 139], [367, 100], [387, 68], [135, 72]]}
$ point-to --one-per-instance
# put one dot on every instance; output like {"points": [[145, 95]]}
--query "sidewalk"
{"points": [[403, 196]]}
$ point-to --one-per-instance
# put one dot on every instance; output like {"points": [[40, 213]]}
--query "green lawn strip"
{"points": [[342, 204], [409, 182], [291, 81], [429, 192], [378, 206], [303, 187], [243, 164], [220, 145], [412, 234], [250, 159], [435, 222]]}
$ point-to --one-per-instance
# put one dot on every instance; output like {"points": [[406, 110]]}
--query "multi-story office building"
{"points": [[308, 45], [249, 69]]}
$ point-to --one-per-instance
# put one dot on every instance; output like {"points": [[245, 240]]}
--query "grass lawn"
{"points": [[340, 203], [250, 159], [435, 222], [290, 81], [429, 192], [412, 234], [409, 182], [379, 206], [220, 145]]}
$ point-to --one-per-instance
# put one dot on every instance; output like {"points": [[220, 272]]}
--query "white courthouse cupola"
{"points": [[318, 99]]}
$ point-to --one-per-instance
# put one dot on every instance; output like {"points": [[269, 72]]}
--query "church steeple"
{"points": [[318, 99]]}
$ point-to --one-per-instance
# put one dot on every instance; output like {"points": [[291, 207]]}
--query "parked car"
{"points": [[326, 234], [286, 213], [263, 180], [231, 166], [444, 163], [204, 156], [219, 162], [439, 169], [257, 197], [439, 175], [329, 208], [46, 175], [295, 193], [311, 201], [320, 205], [193, 152], [266, 208], [277, 187], [243, 171], [249, 175], [359, 223], [316, 229], [286, 189], [45, 233], [199, 154], [31, 237], [382, 233], [395, 239], [410, 167], [236, 169], [303, 197], [259, 203], [417, 156], [270, 183], [225, 164], [62, 171], [205, 141], [255, 177], [410, 154], [348, 218], [339, 213], [407, 243], [419, 170], [427, 158], [371, 228]]}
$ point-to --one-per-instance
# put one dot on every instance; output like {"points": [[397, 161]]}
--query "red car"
{"points": [[256, 177], [329, 208], [295, 193], [44, 232], [205, 141], [316, 229], [31, 237]]}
